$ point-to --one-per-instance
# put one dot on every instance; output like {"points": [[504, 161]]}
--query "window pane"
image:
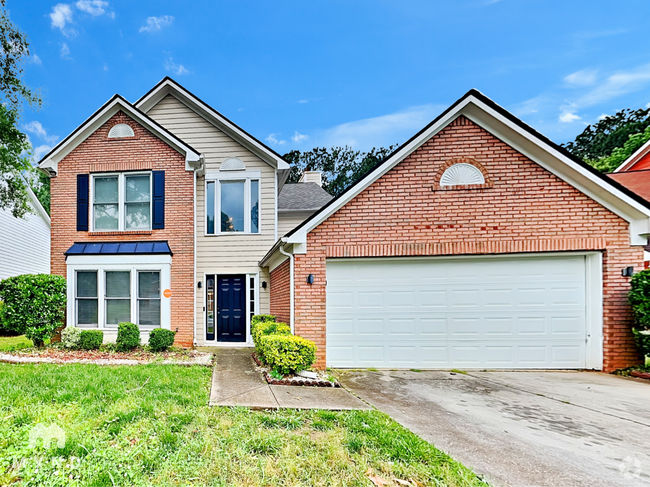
{"points": [[118, 311], [118, 284], [255, 203], [137, 188], [138, 215], [209, 207], [232, 206], [87, 312], [149, 312], [106, 217], [106, 189], [149, 284], [87, 284]]}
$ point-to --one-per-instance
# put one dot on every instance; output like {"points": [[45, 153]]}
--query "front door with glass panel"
{"points": [[227, 296]]}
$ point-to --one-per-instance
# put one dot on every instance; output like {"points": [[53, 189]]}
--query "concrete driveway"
{"points": [[523, 428]]}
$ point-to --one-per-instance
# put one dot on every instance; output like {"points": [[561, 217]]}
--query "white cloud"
{"points": [[65, 51], [568, 117], [299, 137], [37, 129], [40, 151], [603, 117], [273, 140], [105, 67], [647, 105], [178, 69], [618, 84], [584, 77], [61, 15], [154, 24], [380, 131], [92, 7], [34, 59], [302, 101]]}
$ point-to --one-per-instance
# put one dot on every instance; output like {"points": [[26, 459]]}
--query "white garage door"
{"points": [[524, 312]]}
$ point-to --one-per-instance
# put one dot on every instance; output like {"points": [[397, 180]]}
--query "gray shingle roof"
{"points": [[302, 196]]}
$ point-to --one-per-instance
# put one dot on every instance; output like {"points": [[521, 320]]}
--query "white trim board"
{"points": [[117, 103], [169, 87], [476, 107]]}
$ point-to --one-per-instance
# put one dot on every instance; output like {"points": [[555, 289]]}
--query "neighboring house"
{"points": [[477, 244], [634, 173], [25, 242]]}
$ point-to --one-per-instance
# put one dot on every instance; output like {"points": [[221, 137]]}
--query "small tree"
{"points": [[34, 304], [639, 298]]}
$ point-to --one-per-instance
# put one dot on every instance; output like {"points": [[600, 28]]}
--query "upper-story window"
{"points": [[121, 201], [236, 199]]}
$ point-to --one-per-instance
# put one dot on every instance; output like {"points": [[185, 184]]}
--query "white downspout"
{"points": [[194, 270], [291, 315]]}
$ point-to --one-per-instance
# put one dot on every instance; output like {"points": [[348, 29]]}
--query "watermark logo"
{"points": [[51, 435], [630, 468]]}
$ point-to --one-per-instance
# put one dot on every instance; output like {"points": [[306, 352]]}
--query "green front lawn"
{"points": [[14, 343], [150, 425]]}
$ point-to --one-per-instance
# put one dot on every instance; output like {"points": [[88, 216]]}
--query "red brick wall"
{"points": [[143, 152], [281, 292], [523, 208]]}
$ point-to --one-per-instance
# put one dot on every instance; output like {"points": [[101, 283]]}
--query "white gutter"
{"points": [[291, 316]]}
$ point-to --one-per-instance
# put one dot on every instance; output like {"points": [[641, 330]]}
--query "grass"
{"points": [[150, 425], [8, 344]]}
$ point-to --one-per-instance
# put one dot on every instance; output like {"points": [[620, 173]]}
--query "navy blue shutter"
{"points": [[83, 184], [158, 217]]}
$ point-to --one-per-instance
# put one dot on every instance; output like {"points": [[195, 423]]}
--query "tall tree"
{"points": [[14, 161], [599, 140], [341, 166]]}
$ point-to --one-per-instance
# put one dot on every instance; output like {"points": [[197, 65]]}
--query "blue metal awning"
{"points": [[119, 248]]}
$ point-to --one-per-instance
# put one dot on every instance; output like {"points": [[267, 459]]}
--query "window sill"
{"points": [[126, 232]]}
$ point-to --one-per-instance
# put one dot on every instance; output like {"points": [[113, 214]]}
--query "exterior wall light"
{"points": [[627, 271], [263, 284], [199, 285], [310, 279]]}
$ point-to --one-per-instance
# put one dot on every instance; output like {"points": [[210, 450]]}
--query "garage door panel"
{"points": [[516, 312]]}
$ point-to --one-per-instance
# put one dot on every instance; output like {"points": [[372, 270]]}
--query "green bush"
{"points": [[287, 353], [128, 337], [161, 339], [639, 298], [90, 339], [262, 319], [34, 305], [70, 337], [642, 339], [268, 328]]}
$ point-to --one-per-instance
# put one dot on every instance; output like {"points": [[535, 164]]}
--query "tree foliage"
{"points": [[341, 166], [620, 154], [599, 140]]}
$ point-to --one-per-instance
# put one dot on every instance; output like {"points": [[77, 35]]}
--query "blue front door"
{"points": [[231, 308]]}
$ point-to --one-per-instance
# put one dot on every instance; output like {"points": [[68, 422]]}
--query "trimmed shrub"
{"points": [[34, 305], [262, 319], [128, 337], [639, 298], [287, 353], [161, 339], [70, 337], [268, 328], [91, 339], [642, 339]]}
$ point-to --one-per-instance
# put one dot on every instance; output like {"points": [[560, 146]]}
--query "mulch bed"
{"points": [[104, 357], [292, 380]]}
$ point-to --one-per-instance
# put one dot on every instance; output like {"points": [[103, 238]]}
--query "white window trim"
{"points": [[132, 263], [121, 199], [249, 338], [246, 177]]}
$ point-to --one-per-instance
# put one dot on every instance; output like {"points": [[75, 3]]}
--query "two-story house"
{"points": [[478, 243]]}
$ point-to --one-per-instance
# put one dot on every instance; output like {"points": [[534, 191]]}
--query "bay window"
{"points": [[121, 201], [87, 305], [118, 297], [232, 205], [149, 298]]}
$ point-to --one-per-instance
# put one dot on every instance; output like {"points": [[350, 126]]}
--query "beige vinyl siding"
{"points": [[223, 254], [290, 220]]}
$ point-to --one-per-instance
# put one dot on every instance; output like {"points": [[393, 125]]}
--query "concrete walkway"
{"points": [[522, 429], [235, 382]]}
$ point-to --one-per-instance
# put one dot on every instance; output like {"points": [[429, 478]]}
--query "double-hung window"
{"points": [[87, 304], [121, 202], [117, 295], [232, 206], [149, 298]]}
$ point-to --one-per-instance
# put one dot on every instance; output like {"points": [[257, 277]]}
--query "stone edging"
{"points": [[204, 360], [639, 374], [298, 382]]}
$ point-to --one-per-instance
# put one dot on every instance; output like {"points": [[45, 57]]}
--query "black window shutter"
{"points": [[83, 184], [158, 217]]}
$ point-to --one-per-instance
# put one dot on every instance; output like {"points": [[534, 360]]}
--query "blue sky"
{"points": [[300, 74]]}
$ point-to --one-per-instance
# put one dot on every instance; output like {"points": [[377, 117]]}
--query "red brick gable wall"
{"points": [[281, 292], [145, 151], [526, 209]]}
